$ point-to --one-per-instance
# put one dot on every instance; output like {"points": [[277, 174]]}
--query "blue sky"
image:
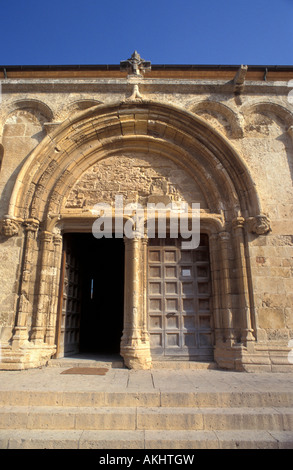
{"points": [[61, 32]]}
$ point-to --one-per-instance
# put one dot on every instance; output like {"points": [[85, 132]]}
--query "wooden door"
{"points": [[70, 300], [179, 300]]}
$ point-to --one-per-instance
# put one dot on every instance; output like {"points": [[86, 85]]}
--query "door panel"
{"points": [[179, 304], [71, 301]]}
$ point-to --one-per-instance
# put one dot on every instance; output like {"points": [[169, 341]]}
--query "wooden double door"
{"points": [[179, 311], [180, 319]]}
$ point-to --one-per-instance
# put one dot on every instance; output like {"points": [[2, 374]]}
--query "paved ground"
{"points": [[123, 380], [149, 401]]}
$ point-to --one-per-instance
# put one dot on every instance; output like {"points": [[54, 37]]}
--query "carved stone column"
{"points": [[226, 304], [135, 348], [216, 287], [25, 305], [246, 326], [51, 325], [44, 282], [145, 332]]}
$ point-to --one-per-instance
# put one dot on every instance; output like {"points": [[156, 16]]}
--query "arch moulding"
{"points": [[38, 213]]}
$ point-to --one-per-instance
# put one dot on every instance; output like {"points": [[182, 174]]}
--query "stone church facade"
{"points": [[75, 137]]}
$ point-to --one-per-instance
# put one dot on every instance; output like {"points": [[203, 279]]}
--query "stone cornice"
{"points": [[180, 84]]}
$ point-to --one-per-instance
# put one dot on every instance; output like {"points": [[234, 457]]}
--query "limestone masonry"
{"points": [[75, 136]]}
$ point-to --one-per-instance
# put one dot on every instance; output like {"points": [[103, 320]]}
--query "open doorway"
{"points": [[93, 295]]}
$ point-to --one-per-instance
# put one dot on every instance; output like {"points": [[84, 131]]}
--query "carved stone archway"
{"points": [[38, 210]]}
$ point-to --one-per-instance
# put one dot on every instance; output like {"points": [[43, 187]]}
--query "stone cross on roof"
{"points": [[135, 64]]}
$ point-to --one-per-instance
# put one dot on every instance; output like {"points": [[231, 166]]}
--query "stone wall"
{"points": [[257, 125]]}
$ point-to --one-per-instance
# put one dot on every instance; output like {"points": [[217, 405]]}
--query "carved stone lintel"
{"points": [[259, 224], [9, 227]]}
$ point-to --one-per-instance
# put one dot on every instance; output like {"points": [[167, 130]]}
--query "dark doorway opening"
{"points": [[101, 282], [101, 322]]}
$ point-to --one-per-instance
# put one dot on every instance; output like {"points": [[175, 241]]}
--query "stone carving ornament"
{"points": [[9, 227], [259, 224]]}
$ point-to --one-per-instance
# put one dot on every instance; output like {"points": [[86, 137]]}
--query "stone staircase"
{"points": [[145, 420]]}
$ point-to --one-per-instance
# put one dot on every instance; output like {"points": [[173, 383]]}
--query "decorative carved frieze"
{"points": [[143, 179]]}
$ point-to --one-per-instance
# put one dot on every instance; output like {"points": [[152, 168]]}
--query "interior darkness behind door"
{"points": [[103, 294]]}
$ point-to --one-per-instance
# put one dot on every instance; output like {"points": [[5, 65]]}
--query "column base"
{"points": [[253, 357], [28, 356], [137, 357]]}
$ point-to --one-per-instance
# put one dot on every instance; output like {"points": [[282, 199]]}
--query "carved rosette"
{"points": [[259, 224]]}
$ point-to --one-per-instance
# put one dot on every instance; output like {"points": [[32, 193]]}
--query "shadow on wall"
{"points": [[1, 155]]}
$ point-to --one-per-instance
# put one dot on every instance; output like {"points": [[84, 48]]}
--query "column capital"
{"points": [[224, 236], [31, 225], [46, 236], [238, 222], [131, 241], [57, 239]]}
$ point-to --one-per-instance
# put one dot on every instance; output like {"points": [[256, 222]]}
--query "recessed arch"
{"points": [[275, 108], [102, 130], [214, 107], [149, 128], [30, 104], [75, 107]]}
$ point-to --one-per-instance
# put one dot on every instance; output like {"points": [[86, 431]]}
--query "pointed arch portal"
{"points": [[76, 154]]}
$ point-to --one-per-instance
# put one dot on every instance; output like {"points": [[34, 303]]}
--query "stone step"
{"points": [[143, 399], [116, 362], [77, 439], [145, 418], [88, 360], [183, 365]]}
